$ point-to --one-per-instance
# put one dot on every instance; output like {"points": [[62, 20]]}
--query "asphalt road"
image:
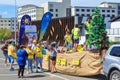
{"points": [[5, 74]]}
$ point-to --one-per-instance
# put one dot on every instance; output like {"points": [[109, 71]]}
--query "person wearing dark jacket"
{"points": [[21, 58], [5, 51]]}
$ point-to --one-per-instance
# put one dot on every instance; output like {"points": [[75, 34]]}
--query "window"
{"points": [[119, 31], [115, 51], [92, 10], [88, 10], [118, 12], [111, 31], [113, 11], [103, 10], [77, 10], [108, 15], [82, 15], [56, 10], [1, 24], [8, 24], [77, 14], [5, 20], [51, 10], [116, 31], [88, 15], [113, 15], [1, 20], [117, 39], [82, 10], [103, 15], [51, 5], [108, 10], [56, 15], [110, 6]]}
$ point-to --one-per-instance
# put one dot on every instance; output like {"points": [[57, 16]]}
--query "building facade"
{"points": [[87, 11], [114, 31], [8, 23], [58, 9], [35, 12], [111, 5]]}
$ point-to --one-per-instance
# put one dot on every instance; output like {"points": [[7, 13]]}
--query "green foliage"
{"points": [[5, 34], [98, 27], [114, 42]]}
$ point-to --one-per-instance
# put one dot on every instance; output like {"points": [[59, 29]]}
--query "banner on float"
{"points": [[31, 33], [26, 20], [44, 23]]}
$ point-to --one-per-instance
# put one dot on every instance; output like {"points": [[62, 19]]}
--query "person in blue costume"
{"points": [[22, 56]]}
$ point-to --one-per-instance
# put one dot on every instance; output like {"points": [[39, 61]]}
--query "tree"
{"points": [[98, 28], [5, 34]]}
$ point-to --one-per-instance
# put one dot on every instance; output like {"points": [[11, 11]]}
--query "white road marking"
{"points": [[53, 75], [1, 59]]}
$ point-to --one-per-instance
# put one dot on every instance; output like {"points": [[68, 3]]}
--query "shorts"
{"points": [[11, 59], [5, 54], [76, 41], [53, 58]]}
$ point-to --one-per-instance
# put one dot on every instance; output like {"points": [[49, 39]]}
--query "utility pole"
{"points": [[15, 22]]}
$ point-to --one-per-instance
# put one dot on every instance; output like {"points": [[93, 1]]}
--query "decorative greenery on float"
{"points": [[98, 27]]}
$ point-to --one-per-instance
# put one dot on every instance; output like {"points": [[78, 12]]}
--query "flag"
{"points": [[44, 23], [26, 20]]}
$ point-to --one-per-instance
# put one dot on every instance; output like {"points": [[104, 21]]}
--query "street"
{"points": [[5, 74]]}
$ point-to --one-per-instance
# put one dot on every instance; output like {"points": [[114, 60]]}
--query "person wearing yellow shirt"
{"points": [[76, 36], [38, 56], [88, 27], [30, 59], [68, 41], [11, 53]]}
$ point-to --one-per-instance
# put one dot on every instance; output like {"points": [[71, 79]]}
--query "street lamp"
{"points": [[15, 22]]}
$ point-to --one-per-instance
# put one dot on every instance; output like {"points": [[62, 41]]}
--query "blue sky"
{"points": [[7, 8]]}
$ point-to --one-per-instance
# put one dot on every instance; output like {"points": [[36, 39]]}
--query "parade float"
{"points": [[82, 62]]}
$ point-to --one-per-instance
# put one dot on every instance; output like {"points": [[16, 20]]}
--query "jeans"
{"points": [[29, 65], [38, 60], [11, 59], [5, 54], [68, 46]]}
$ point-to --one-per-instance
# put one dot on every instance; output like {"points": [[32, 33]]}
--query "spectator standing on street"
{"points": [[38, 56], [22, 56], [30, 59], [32, 47], [5, 51], [11, 52]]}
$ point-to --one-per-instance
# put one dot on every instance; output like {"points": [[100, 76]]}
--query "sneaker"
{"points": [[41, 70], [37, 71], [11, 69], [19, 76]]}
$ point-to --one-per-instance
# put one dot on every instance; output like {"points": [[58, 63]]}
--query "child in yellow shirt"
{"points": [[68, 41], [30, 59]]}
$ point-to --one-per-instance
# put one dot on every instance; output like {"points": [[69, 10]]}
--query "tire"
{"points": [[114, 75]]}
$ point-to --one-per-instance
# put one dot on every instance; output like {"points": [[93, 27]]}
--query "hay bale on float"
{"points": [[83, 63]]}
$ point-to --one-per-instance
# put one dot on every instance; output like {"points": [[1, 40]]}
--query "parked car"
{"points": [[111, 63]]}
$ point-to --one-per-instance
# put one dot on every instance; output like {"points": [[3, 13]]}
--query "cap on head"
{"points": [[34, 41]]}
